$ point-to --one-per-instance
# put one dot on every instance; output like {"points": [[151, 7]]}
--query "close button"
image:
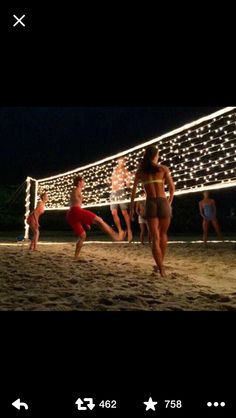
{"points": [[19, 20]]}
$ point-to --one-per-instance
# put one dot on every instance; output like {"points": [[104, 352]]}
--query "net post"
{"points": [[27, 207], [35, 193]]}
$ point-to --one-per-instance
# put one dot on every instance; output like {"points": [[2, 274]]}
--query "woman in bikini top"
{"points": [[153, 176]]}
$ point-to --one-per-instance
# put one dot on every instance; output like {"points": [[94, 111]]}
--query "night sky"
{"points": [[40, 142]]}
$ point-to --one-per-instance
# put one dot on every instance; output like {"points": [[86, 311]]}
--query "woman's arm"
{"points": [[201, 209], [137, 208], [171, 185], [136, 180], [127, 177]]}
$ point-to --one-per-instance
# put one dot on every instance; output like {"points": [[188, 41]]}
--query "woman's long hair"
{"points": [[147, 166]]}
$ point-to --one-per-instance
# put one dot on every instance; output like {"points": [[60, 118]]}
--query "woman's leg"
{"points": [[156, 249], [142, 233], [128, 223], [164, 224], [205, 226], [217, 228], [116, 219], [35, 238], [149, 235]]}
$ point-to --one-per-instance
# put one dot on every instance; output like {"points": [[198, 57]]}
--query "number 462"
{"points": [[107, 404]]}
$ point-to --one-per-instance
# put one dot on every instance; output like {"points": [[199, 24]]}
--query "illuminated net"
{"points": [[201, 155]]}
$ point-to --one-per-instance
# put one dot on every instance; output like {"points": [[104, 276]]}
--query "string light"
{"points": [[201, 142], [46, 243]]}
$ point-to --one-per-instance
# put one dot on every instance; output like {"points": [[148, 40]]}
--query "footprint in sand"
{"points": [[213, 296], [73, 281], [224, 299], [19, 289], [229, 307], [106, 302], [192, 297], [125, 298], [109, 274], [52, 298], [154, 302], [66, 294], [168, 293], [176, 308]]}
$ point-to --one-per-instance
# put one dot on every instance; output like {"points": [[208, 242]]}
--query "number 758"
{"points": [[173, 404]]}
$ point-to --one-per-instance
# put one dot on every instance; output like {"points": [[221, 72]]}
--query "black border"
{"points": [[190, 352]]}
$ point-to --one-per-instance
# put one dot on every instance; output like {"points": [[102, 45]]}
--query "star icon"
{"points": [[150, 404]]}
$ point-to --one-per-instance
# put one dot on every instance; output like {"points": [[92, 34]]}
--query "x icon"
{"points": [[18, 20]]}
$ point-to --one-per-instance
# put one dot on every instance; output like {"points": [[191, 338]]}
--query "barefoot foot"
{"points": [[122, 235], [161, 271], [130, 236]]}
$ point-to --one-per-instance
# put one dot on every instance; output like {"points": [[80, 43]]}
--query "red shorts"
{"points": [[77, 217]]}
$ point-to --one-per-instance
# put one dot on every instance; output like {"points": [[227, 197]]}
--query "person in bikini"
{"points": [[207, 210], [77, 217], [33, 220], [153, 176]]}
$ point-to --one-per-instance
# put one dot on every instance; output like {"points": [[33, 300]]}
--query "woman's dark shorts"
{"points": [[157, 207]]}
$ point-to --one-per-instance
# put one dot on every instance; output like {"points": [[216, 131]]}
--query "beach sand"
{"points": [[117, 277]]}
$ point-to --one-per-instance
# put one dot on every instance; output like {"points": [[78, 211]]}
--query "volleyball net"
{"points": [[201, 155]]}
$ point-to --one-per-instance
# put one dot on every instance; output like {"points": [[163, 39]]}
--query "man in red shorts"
{"points": [[78, 217]]}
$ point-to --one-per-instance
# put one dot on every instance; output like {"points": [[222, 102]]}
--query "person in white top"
{"points": [[120, 180]]}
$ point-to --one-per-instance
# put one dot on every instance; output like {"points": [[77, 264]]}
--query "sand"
{"points": [[117, 277]]}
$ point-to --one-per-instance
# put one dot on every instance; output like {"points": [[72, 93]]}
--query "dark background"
{"points": [[45, 141]]}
